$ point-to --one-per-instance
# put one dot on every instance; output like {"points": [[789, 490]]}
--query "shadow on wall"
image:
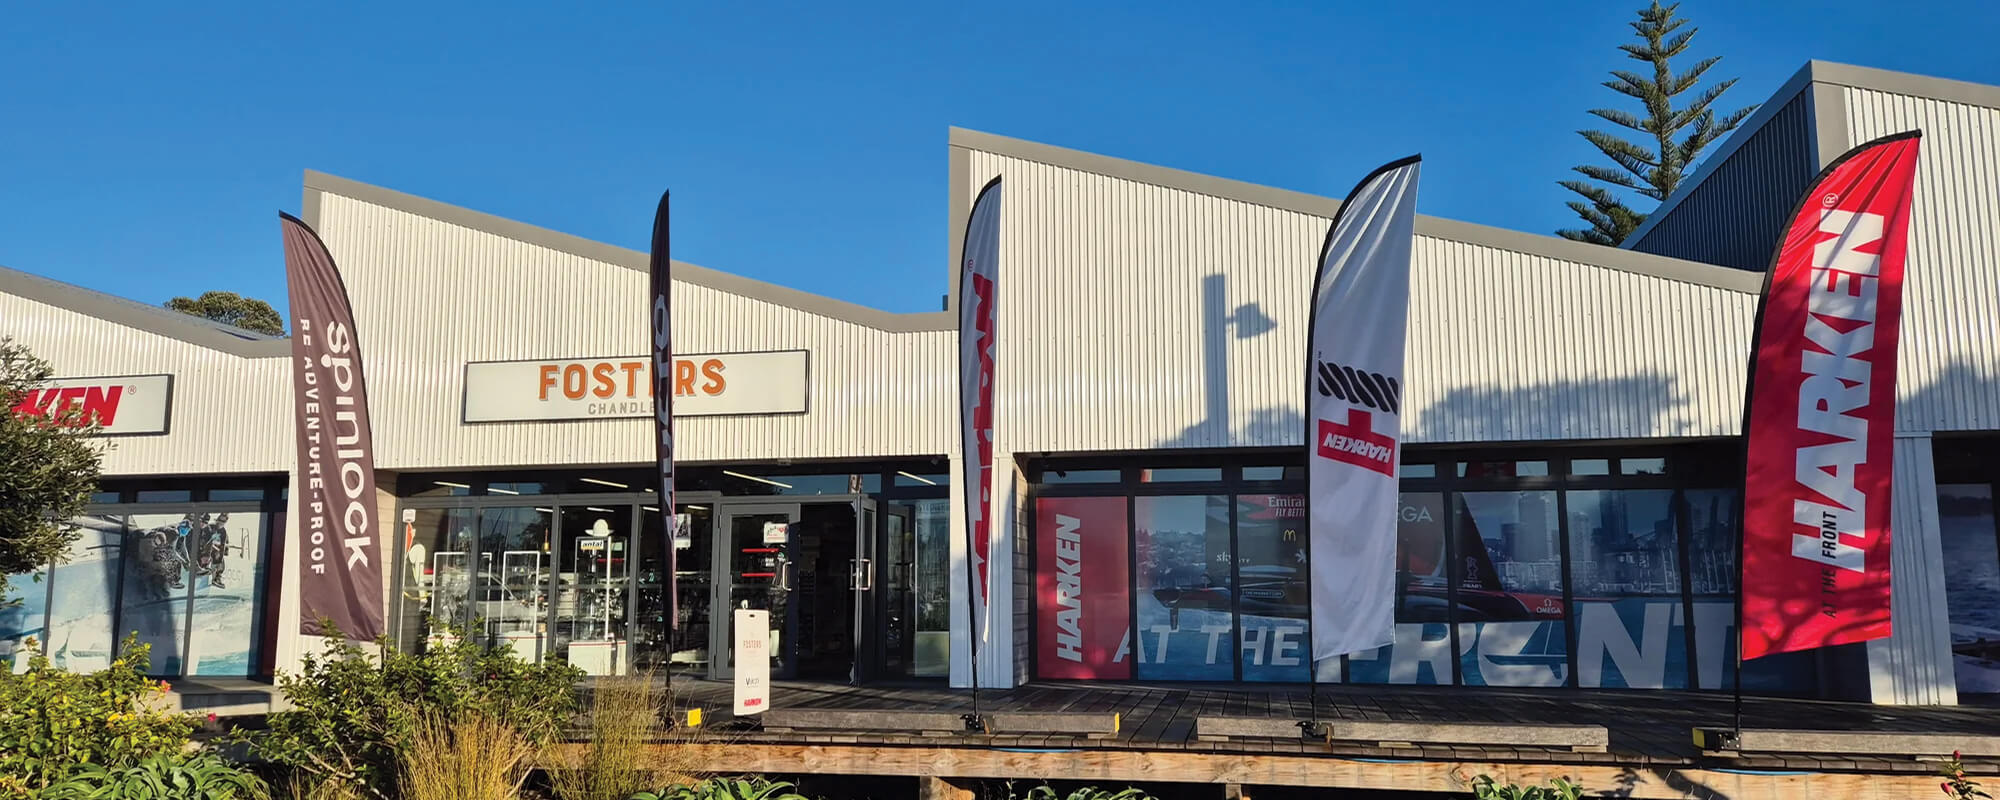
{"points": [[1643, 405], [1220, 325]]}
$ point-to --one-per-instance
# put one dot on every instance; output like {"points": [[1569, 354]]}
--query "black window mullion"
{"points": [[1569, 587], [1450, 511], [1684, 530], [1132, 581], [1235, 594]]}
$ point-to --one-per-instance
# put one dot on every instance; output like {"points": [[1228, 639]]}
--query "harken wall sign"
{"points": [[617, 388], [126, 405]]}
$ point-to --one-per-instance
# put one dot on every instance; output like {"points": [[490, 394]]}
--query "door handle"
{"points": [[861, 576], [784, 583]]}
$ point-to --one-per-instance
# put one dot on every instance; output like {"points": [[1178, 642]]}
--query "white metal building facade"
{"points": [[1147, 317]]}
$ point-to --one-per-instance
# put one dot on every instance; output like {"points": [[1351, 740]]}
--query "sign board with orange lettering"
{"points": [[619, 388], [130, 405]]}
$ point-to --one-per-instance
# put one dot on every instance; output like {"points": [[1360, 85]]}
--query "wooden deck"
{"points": [[1651, 750]]}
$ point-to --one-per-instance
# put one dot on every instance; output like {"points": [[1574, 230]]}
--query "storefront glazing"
{"points": [[1598, 569]]}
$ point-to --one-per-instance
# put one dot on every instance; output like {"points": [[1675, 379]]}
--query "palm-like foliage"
{"points": [[1675, 137]]}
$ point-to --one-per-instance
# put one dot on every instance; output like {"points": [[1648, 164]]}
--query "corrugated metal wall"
{"points": [[1736, 213], [1141, 317], [430, 296], [230, 414], [1914, 665], [1949, 362]]}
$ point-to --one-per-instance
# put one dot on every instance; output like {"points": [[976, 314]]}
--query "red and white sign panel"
{"points": [[1822, 410], [1083, 576], [128, 405]]}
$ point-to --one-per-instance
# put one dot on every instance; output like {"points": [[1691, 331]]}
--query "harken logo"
{"points": [[1350, 436], [1356, 442]]}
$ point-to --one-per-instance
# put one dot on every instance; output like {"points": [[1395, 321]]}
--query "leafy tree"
{"points": [[1656, 168], [230, 308], [48, 468]]}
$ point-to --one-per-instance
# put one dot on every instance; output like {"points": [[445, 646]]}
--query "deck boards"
{"points": [[1646, 728]]}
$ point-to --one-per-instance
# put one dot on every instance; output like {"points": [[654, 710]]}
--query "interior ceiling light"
{"points": [[757, 479]]}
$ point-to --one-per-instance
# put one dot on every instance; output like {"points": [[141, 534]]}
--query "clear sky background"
{"points": [[145, 146]]}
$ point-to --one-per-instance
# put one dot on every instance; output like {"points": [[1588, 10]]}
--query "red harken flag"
{"points": [[1821, 410]]}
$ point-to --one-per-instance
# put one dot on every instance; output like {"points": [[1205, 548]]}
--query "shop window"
{"points": [[752, 482], [77, 631], [441, 488], [165, 496], [1624, 549], [1417, 471], [1271, 569], [931, 649], [223, 495], [1080, 476], [915, 479], [1185, 624], [1503, 469], [435, 575], [514, 488], [24, 606], [1642, 466], [1713, 524], [228, 606], [104, 498], [1082, 588], [1972, 584], [511, 584], [1181, 475], [1273, 473], [1421, 652], [1510, 590], [1589, 467]]}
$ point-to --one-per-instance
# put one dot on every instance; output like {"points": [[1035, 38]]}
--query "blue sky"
{"points": [[145, 147]]}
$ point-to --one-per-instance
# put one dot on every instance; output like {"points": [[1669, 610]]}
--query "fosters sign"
{"points": [[612, 388]]}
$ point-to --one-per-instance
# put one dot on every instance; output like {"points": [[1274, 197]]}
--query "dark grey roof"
{"points": [[134, 314]]}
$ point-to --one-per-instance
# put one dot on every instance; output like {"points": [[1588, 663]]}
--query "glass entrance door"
{"points": [[753, 570]]}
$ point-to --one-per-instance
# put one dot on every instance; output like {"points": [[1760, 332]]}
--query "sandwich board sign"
{"points": [[753, 661]]}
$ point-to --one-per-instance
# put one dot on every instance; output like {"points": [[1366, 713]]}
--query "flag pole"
{"points": [[973, 441], [659, 324], [1310, 727], [1816, 190]]}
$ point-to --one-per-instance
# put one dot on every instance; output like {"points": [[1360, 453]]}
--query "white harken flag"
{"points": [[1354, 403]]}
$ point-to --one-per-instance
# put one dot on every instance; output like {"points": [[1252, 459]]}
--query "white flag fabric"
{"points": [[1354, 400], [976, 298]]}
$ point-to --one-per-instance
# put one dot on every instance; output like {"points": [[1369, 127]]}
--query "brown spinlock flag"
{"points": [[340, 578]]}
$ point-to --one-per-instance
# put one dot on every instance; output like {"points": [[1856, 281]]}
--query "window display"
{"points": [[1624, 549], [1972, 584], [1186, 622], [190, 585], [1422, 651]]}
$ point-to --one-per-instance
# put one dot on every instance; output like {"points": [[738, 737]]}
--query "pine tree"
{"points": [[1657, 170]]}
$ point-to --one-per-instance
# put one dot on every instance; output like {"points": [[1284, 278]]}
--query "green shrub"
{"points": [[1485, 788], [53, 722], [353, 714], [1044, 792], [725, 789], [161, 777]]}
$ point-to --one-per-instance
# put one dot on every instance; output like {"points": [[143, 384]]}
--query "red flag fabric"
{"points": [[1820, 416]]}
